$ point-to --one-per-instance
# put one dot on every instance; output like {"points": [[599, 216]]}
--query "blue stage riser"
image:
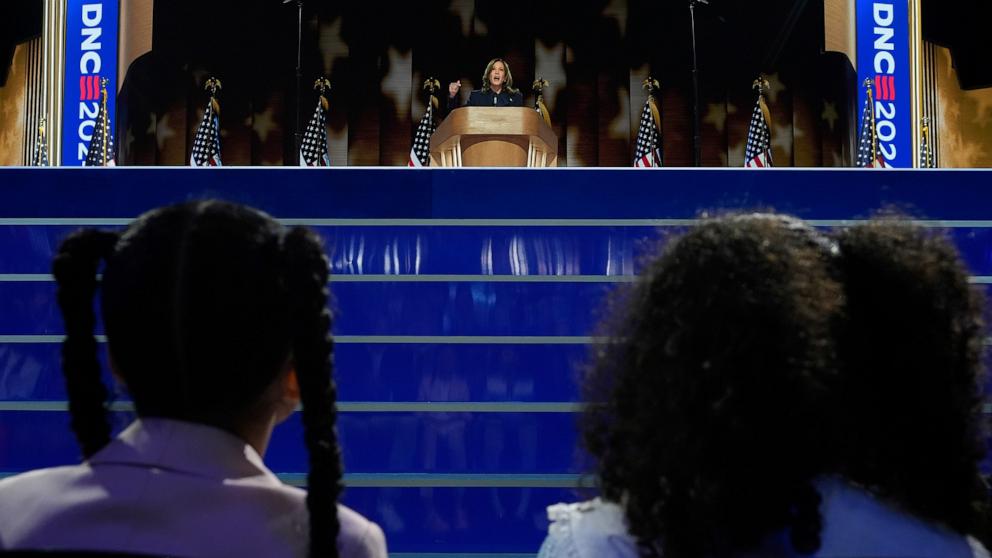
{"points": [[465, 303], [386, 308], [601, 251], [366, 372]]}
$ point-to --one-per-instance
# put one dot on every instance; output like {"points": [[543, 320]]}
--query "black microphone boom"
{"points": [[696, 140], [297, 136]]}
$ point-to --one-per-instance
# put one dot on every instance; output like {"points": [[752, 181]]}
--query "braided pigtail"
{"points": [[75, 268], [307, 273]]}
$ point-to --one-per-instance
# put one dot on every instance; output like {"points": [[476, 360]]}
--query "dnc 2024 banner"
{"points": [[90, 56], [884, 58]]}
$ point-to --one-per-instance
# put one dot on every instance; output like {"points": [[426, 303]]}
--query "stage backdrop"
{"points": [[595, 53]]}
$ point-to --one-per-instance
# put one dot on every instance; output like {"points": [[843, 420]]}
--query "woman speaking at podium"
{"points": [[497, 89]]}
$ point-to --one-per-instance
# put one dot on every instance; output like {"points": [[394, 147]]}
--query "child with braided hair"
{"points": [[217, 325]]}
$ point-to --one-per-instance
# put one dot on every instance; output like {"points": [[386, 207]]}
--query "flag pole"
{"points": [[696, 139], [761, 85], [874, 138], [42, 144], [321, 85], [652, 85], [538, 87], [106, 118], [297, 136]]}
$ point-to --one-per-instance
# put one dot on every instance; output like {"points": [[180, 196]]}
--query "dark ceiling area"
{"points": [[963, 26], [960, 25], [21, 22]]}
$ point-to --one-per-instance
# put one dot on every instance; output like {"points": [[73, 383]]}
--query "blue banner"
{"points": [[884, 58], [90, 56]]}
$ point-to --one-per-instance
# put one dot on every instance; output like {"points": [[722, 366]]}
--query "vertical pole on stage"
{"points": [[696, 140], [53, 67], [916, 76], [299, 74]]}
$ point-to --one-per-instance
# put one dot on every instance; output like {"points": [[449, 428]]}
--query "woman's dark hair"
{"points": [[911, 350], [704, 408], [204, 304], [509, 76]]}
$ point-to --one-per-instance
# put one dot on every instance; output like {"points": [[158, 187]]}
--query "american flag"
{"points": [[542, 109], [420, 153], [206, 142], [101, 149], [868, 155], [313, 149], [926, 154], [40, 156], [647, 151], [758, 150]]}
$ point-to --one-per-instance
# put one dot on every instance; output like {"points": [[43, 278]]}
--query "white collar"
{"points": [[184, 447]]}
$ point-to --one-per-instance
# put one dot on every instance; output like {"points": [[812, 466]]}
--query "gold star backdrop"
{"points": [[595, 54], [12, 98], [964, 122]]}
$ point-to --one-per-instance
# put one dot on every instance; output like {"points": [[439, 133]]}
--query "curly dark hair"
{"points": [[911, 348], [704, 408], [204, 304]]}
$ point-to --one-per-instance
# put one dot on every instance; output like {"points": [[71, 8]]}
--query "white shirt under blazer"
{"points": [[172, 488]]}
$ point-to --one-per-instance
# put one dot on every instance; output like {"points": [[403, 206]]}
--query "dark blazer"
{"points": [[487, 98], [480, 98]]}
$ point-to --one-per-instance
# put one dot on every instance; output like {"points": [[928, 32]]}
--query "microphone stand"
{"points": [[299, 71], [696, 140]]}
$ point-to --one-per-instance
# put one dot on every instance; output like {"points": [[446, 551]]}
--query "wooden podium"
{"points": [[494, 137]]}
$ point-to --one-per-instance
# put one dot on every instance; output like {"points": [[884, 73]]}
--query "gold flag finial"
{"points": [[212, 85], [867, 83], [761, 84], [322, 85], [431, 85], [651, 85]]}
